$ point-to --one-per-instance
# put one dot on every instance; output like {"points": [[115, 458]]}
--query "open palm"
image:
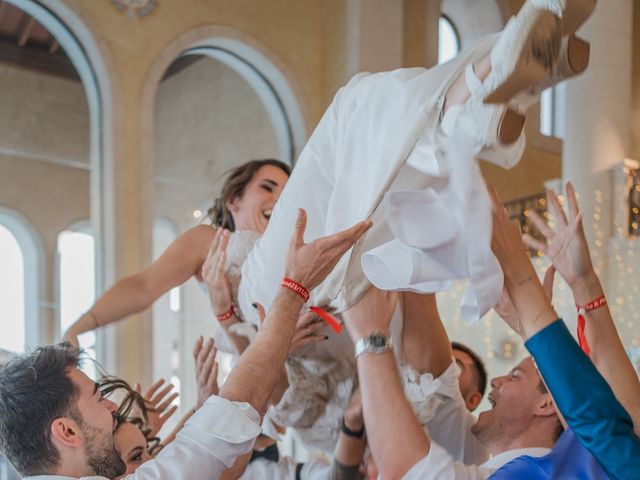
{"points": [[566, 246]]}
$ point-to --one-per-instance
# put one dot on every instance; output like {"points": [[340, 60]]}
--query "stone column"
{"points": [[597, 121]]}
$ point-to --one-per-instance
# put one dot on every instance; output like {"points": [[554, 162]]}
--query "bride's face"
{"points": [[253, 209]]}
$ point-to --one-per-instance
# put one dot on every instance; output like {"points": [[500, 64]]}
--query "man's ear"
{"points": [[545, 407], [473, 400], [66, 431]]}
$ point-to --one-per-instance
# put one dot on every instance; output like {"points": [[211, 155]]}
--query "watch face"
{"points": [[377, 340]]}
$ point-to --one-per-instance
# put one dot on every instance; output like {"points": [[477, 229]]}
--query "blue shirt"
{"points": [[567, 461], [589, 406]]}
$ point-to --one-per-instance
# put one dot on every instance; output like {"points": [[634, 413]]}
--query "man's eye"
{"points": [[268, 188]]}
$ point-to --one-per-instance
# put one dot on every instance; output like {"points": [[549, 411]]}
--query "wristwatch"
{"points": [[377, 342]]}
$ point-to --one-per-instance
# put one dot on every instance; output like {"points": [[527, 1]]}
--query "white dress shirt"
{"points": [[455, 452], [205, 447], [438, 464], [285, 469]]}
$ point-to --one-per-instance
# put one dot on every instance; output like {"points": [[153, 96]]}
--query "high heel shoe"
{"points": [[487, 125], [573, 13], [525, 52], [572, 61]]}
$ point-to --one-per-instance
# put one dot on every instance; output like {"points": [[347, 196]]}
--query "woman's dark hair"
{"points": [[131, 400], [238, 179], [35, 389]]}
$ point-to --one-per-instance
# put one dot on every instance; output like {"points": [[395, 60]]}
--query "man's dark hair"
{"points": [[35, 389], [481, 370], [542, 388]]}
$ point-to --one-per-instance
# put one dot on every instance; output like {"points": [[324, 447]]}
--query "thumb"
{"points": [[547, 283], [301, 225], [261, 312]]}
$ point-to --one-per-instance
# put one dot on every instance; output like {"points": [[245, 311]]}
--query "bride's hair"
{"points": [[239, 178]]}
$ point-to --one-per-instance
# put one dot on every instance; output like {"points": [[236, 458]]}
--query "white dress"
{"points": [[381, 151]]}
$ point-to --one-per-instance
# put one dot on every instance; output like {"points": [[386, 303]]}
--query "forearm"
{"points": [[588, 404], [530, 301], [126, 297], [607, 351], [260, 366], [238, 468], [425, 343], [395, 436]]}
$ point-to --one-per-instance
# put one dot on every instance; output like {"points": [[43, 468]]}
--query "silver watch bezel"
{"points": [[367, 345]]}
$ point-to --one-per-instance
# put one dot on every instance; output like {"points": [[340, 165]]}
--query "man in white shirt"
{"points": [[523, 420], [55, 424]]}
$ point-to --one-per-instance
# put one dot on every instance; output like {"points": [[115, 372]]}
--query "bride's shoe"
{"points": [[572, 12], [487, 125], [572, 61], [524, 54]]}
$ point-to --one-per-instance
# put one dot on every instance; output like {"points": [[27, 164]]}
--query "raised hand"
{"points": [[566, 245], [204, 355], [214, 273], [158, 403], [309, 263], [306, 329]]}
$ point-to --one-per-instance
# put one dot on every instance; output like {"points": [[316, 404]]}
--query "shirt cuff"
{"points": [[236, 424]]}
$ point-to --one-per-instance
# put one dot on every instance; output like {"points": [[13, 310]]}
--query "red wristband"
{"points": [[296, 287], [582, 321], [227, 315]]}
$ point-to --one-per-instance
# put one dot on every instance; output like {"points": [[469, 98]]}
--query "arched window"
{"points": [[77, 283], [20, 278], [448, 40], [12, 314]]}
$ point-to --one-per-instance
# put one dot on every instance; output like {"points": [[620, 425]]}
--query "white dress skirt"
{"points": [[382, 151]]}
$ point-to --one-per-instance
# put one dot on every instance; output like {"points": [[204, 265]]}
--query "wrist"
{"points": [[354, 423], [586, 288], [356, 431]]}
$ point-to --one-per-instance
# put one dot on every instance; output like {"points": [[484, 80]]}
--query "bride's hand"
{"points": [[214, 274]]}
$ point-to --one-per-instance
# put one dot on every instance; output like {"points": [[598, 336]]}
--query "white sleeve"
{"points": [[440, 408], [207, 445], [438, 465]]}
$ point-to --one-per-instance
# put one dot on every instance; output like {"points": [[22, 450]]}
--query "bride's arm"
{"points": [[179, 262]]}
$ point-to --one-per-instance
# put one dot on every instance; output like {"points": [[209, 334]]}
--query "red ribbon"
{"points": [[328, 318], [582, 321]]}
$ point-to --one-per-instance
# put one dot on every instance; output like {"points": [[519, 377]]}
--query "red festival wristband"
{"points": [[582, 310], [227, 315], [296, 287]]}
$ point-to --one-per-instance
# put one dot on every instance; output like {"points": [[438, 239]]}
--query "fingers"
{"points": [[557, 208], [197, 347], [301, 225], [161, 394], [306, 319], [540, 224], [261, 312], [207, 366], [547, 283], [304, 341], [535, 244], [308, 329], [154, 388], [210, 260], [496, 204], [212, 384], [345, 239], [204, 353], [572, 200], [165, 417], [163, 406]]}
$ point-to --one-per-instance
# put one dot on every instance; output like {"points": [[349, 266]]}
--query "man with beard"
{"points": [[55, 423]]}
